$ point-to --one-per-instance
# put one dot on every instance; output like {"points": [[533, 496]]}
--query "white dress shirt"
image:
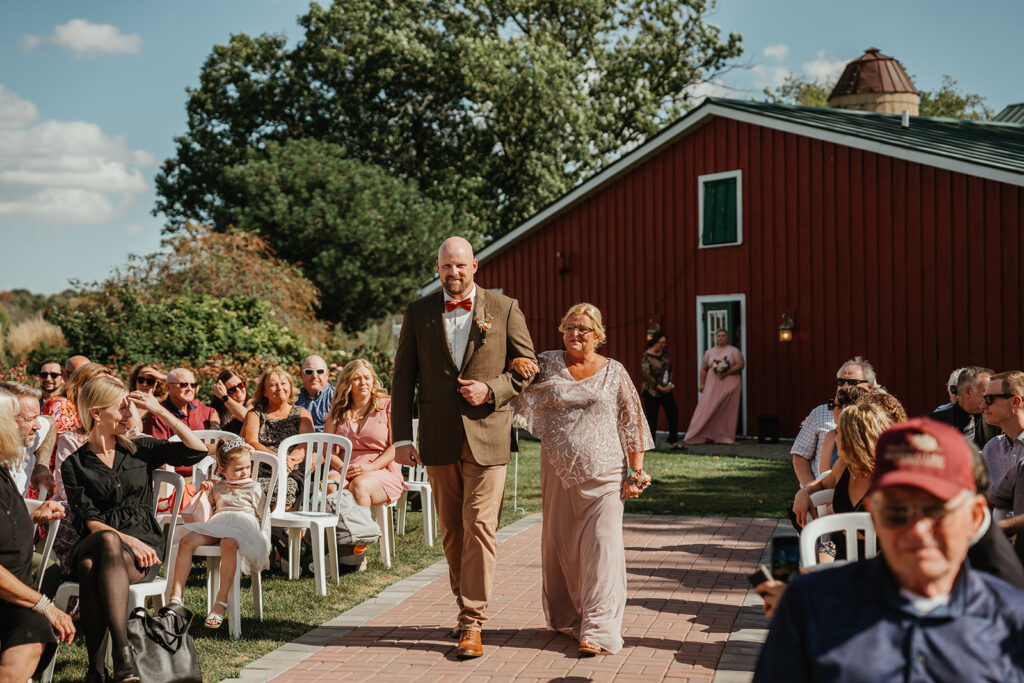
{"points": [[457, 325]]}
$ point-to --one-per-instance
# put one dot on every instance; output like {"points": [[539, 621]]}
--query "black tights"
{"points": [[105, 571]]}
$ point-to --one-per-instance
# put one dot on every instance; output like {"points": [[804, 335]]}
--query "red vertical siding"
{"points": [[912, 266]]}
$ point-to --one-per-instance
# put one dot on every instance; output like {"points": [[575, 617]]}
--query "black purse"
{"points": [[164, 651]]}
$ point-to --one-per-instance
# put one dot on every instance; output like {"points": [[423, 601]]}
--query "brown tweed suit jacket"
{"points": [[424, 361]]}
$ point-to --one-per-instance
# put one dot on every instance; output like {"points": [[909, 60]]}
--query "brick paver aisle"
{"points": [[687, 585]]}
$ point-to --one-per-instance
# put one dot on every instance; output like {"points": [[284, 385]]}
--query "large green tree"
{"points": [[356, 231], [495, 107]]}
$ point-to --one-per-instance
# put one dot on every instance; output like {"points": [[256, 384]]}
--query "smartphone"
{"points": [[760, 575], [785, 557]]}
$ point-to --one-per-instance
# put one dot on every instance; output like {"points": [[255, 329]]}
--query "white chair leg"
{"points": [[401, 506], [316, 533], [212, 580], [427, 505], [257, 595], [294, 553], [385, 535], [235, 604], [332, 555]]}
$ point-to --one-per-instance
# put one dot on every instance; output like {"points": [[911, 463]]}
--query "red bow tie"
{"points": [[465, 303]]}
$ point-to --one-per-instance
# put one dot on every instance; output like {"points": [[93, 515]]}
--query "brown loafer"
{"points": [[470, 644]]}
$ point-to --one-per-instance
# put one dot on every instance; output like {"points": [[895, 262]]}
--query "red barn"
{"points": [[899, 242]]}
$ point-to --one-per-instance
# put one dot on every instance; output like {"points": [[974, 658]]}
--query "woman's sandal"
{"points": [[589, 649], [176, 600], [214, 620]]}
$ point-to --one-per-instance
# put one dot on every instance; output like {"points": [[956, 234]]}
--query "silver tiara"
{"points": [[233, 443]]}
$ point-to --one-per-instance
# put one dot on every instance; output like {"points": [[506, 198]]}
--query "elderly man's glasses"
{"points": [[145, 381], [894, 515], [309, 372], [843, 382], [583, 331], [186, 385], [991, 398], [49, 375]]}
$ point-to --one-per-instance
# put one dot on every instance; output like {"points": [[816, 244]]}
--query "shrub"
{"points": [[28, 334]]}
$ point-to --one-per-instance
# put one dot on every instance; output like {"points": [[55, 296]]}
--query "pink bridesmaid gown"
{"points": [[718, 409]]}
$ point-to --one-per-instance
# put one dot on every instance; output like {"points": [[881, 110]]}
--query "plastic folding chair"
{"points": [[416, 480], [312, 506], [51, 536], [821, 501], [850, 522]]}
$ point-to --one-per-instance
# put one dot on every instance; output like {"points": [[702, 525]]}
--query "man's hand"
{"points": [[407, 455], [475, 392], [771, 592], [42, 478], [47, 512]]}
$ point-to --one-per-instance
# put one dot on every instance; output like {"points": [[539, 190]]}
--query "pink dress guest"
{"points": [[370, 442], [717, 413]]}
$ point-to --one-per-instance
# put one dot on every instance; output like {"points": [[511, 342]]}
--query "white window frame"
{"points": [[712, 177]]}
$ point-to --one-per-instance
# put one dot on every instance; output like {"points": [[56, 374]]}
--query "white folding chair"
{"points": [[51, 536], [417, 481], [138, 593], [385, 520], [853, 523], [821, 500], [312, 506], [213, 558]]}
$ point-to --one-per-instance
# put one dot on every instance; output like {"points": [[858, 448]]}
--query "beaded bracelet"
{"points": [[43, 606], [638, 478]]}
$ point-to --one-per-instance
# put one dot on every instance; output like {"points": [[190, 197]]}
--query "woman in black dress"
{"points": [[108, 484], [29, 623]]}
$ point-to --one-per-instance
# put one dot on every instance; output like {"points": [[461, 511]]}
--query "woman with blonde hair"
{"points": [[109, 487], [361, 412], [71, 439], [29, 623], [593, 434]]}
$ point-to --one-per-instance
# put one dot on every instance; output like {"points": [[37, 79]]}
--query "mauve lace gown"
{"points": [[586, 429]]}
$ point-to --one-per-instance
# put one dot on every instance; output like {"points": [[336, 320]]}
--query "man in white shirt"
{"points": [[38, 436]]}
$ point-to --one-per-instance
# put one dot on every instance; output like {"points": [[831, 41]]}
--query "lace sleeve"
{"points": [[634, 434], [527, 407]]}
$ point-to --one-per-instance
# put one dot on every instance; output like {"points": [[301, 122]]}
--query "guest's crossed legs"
{"points": [[468, 497]]}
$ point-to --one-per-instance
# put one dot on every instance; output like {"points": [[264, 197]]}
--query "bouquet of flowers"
{"points": [[721, 366]]}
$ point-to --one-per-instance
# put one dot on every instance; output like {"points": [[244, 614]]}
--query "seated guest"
{"points": [[965, 414], [317, 393], [51, 380], [72, 439], [108, 483], [918, 610], [1004, 408], [806, 450], [148, 379], [230, 400], [38, 436], [362, 414], [888, 403], [845, 396], [273, 418], [951, 390], [183, 404], [62, 408], [30, 625]]}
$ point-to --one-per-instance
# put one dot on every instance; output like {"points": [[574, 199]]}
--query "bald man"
{"points": [[455, 345]]}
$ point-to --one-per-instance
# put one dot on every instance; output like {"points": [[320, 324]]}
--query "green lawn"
{"points": [[684, 484]]}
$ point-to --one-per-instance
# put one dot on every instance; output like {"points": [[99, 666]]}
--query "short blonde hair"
{"points": [[859, 427], [102, 392], [12, 449], [592, 312]]}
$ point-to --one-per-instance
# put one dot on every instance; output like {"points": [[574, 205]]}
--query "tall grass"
{"points": [[27, 335]]}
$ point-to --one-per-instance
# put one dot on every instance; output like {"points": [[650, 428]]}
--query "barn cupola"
{"points": [[875, 82]]}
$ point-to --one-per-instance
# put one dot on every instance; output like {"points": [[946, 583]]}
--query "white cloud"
{"points": [[64, 171], [779, 52], [825, 69], [133, 229], [86, 39]]}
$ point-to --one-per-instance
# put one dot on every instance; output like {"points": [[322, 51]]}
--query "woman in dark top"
{"points": [[108, 484], [230, 400], [29, 623], [657, 387]]}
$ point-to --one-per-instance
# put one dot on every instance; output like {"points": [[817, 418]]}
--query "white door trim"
{"points": [[726, 298]]}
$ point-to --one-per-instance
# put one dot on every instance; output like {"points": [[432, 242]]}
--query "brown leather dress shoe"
{"points": [[470, 645]]}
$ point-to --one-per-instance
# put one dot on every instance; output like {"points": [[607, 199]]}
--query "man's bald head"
{"points": [[74, 363], [456, 266]]}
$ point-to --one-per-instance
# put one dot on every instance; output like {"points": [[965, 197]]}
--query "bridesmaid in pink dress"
{"points": [[361, 412], [718, 409]]}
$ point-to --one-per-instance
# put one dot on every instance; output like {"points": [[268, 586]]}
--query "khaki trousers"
{"points": [[468, 497]]}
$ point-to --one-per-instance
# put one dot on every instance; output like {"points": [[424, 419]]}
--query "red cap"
{"points": [[926, 454]]}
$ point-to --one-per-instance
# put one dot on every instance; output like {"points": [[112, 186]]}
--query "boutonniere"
{"points": [[484, 322]]}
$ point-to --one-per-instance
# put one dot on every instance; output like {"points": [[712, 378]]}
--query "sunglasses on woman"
{"points": [[145, 381], [237, 389]]}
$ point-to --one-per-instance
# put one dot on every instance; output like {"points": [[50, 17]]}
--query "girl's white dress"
{"points": [[234, 516]]}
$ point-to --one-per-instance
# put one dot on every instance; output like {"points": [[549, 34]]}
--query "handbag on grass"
{"points": [[164, 652]]}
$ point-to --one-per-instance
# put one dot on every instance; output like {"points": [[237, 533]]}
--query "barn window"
{"points": [[720, 204]]}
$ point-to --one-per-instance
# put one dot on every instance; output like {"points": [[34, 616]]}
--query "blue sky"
{"points": [[92, 95]]}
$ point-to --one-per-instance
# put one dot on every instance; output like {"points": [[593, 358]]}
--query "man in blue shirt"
{"points": [[917, 612], [317, 392]]}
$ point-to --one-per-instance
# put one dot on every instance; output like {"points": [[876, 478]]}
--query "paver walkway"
{"points": [[689, 616]]}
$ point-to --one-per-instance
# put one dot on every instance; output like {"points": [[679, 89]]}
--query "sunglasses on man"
{"points": [[49, 375], [186, 385], [991, 398], [843, 382], [309, 372]]}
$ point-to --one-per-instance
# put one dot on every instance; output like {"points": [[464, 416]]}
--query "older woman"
{"points": [[29, 623], [361, 412], [273, 418], [593, 435], [108, 484], [230, 400], [718, 409]]}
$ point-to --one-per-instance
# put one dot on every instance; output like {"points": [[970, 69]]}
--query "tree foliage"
{"points": [[360, 234], [495, 107], [802, 91]]}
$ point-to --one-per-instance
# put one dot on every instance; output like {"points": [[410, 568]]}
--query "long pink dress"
{"points": [[718, 409], [370, 442]]}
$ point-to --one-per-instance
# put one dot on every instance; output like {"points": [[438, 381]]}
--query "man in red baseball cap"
{"points": [[917, 611]]}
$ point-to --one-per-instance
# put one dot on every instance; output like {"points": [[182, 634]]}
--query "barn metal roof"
{"points": [[1013, 113]]}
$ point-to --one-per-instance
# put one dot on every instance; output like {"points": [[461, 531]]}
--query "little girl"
{"points": [[234, 525]]}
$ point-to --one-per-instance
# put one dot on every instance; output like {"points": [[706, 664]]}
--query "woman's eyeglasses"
{"points": [[583, 331], [237, 389], [145, 381]]}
